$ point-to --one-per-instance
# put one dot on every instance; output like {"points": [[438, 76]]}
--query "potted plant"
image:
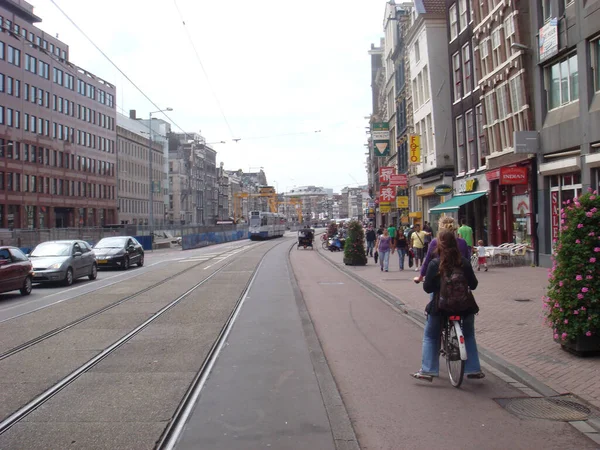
{"points": [[572, 303], [354, 249]]}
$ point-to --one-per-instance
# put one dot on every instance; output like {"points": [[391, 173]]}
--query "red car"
{"points": [[16, 271]]}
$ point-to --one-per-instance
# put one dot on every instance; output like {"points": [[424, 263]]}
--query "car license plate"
{"points": [[102, 261]]}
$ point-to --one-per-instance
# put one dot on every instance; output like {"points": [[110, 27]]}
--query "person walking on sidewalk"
{"points": [[384, 246], [371, 238], [417, 244], [392, 233], [448, 258], [481, 261], [401, 246], [428, 236], [466, 232]]}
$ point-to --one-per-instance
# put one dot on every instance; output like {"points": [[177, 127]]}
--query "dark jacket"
{"points": [[371, 236], [432, 284]]}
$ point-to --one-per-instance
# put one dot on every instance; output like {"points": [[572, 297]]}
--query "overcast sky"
{"points": [[276, 68]]}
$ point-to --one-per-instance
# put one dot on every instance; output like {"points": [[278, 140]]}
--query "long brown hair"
{"points": [[447, 249]]}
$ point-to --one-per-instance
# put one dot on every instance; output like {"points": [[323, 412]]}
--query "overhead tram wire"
{"points": [[204, 71], [115, 66]]}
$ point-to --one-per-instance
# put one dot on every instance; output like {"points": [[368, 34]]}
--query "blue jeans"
{"points": [[384, 259], [370, 247], [401, 255], [430, 363]]}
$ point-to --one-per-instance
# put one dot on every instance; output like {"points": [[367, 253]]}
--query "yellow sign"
{"points": [[384, 209], [402, 202], [414, 147], [426, 192], [415, 215]]}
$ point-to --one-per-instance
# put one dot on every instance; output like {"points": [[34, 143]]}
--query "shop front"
{"points": [[431, 194], [475, 212], [511, 208]]}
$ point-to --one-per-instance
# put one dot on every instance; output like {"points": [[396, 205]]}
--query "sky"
{"points": [[291, 80]]}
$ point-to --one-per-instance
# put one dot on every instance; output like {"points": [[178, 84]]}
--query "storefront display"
{"points": [[562, 188]]}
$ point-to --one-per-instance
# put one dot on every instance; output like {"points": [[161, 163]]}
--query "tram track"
{"points": [[71, 324]]}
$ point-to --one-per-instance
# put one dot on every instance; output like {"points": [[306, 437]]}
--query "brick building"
{"points": [[57, 131]]}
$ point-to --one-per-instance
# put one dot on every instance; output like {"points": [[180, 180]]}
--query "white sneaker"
{"points": [[416, 269]]}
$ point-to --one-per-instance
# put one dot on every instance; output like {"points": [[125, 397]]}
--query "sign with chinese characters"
{"points": [[414, 147], [385, 173], [468, 185], [386, 194], [380, 134], [513, 175], [548, 39], [402, 202], [400, 180]]}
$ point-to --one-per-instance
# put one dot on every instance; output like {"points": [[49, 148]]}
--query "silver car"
{"points": [[63, 261]]}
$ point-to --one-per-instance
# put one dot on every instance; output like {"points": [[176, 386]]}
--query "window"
{"points": [[517, 99], [547, 9], [564, 82], [453, 22], [466, 50], [462, 12], [417, 58], [484, 50], [509, 31], [457, 76], [1, 82], [596, 63], [9, 117], [415, 94], [1, 50], [460, 144], [426, 83], [497, 48], [14, 56]]}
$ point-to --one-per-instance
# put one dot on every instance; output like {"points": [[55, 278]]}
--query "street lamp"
{"points": [[151, 190]]}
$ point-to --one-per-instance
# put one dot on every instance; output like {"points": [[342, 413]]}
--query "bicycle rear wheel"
{"points": [[455, 365]]}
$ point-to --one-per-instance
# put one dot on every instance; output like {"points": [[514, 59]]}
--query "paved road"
{"points": [[43, 295], [371, 349]]}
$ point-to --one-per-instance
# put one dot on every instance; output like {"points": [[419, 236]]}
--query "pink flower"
{"points": [[566, 321], [589, 189], [592, 233], [594, 210], [564, 336], [580, 296], [567, 202], [592, 197], [589, 277], [588, 333], [589, 214], [560, 283], [584, 289], [579, 278], [576, 312], [592, 260], [578, 241], [579, 225], [597, 249], [556, 336], [582, 308]]}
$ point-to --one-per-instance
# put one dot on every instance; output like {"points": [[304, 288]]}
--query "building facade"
{"points": [[468, 135], [57, 131], [499, 30], [426, 44], [133, 177], [566, 79]]}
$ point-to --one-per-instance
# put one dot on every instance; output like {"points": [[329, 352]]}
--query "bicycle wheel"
{"points": [[325, 245], [455, 365]]}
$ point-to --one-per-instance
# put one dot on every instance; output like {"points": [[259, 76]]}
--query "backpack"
{"points": [[455, 297]]}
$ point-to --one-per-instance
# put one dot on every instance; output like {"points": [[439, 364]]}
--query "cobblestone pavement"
{"points": [[509, 325]]}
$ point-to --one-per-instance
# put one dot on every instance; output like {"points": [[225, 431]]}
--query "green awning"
{"points": [[456, 202]]}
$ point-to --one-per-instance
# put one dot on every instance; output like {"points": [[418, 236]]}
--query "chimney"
{"points": [[132, 114]]}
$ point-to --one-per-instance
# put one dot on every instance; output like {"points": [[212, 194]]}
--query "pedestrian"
{"points": [[401, 246], [428, 237], [466, 232], [392, 233], [384, 246], [417, 244], [446, 222], [448, 258], [371, 238], [481, 261], [380, 230]]}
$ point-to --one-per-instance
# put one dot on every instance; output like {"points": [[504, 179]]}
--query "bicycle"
{"points": [[452, 347]]}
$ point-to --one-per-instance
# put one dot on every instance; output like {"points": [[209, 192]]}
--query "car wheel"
{"points": [[27, 286], [126, 263], [94, 273], [141, 261], [68, 281]]}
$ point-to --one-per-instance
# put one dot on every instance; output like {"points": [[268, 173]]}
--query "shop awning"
{"points": [[456, 202]]}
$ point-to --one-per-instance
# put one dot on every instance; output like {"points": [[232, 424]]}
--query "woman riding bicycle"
{"points": [[448, 257]]}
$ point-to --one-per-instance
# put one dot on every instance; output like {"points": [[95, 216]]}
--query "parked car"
{"points": [[63, 261], [16, 271], [119, 251]]}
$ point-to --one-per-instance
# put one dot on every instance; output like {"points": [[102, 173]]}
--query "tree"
{"points": [[354, 249]]}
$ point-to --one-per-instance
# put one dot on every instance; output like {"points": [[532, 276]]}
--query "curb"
{"points": [[341, 426], [511, 374]]}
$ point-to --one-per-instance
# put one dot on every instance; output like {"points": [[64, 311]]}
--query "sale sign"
{"points": [[387, 194], [555, 214], [385, 173]]}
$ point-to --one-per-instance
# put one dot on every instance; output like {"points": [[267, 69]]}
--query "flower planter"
{"points": [[582, 345], [351, 262]]}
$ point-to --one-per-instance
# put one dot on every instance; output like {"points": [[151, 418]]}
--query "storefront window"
{"points": [[521, 216], [562, 188]]}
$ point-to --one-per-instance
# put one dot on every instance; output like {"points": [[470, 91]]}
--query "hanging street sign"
{"points": [[380, 134], [402, 202], [442, 189], [386, 194], [385, 173], [400, 180], [414, 146]]}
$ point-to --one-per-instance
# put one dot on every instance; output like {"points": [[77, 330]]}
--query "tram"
{"points": [[266, 225]]}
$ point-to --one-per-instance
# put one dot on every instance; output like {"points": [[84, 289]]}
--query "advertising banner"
{"points": [[548, 39], [402, 202], [555, 214], [380, 134], [386, 194], [385, 173], [400, 180], [414, 147], [513, 175]]}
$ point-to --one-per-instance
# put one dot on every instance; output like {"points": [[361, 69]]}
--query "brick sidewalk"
{"points": [[509, 328]]}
